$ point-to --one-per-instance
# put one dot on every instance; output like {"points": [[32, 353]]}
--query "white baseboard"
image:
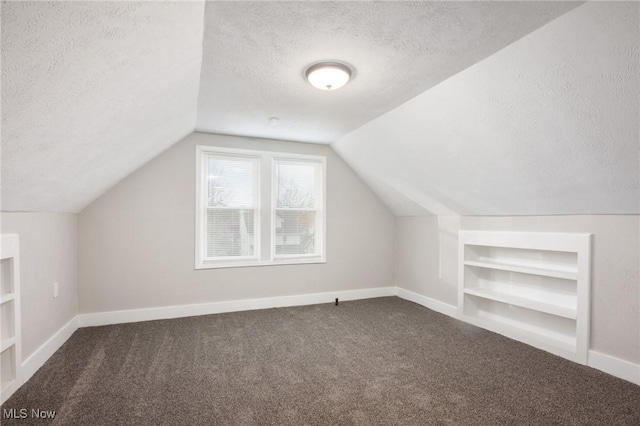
{"points": [[427, 302], [606, 363], [47, 349], [135, 315], [611, 365], [615, 366]]}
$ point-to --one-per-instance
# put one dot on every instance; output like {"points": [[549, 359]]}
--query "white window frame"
{"points": [[319, 209], [264, 222], [202, 208]]}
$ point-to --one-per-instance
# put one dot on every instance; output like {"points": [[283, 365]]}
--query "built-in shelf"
{"points": [[8, 373], [532, 287], [525, 302], [7, 298], [10, 330], [7, 343], [555, 342], [555, 273]]}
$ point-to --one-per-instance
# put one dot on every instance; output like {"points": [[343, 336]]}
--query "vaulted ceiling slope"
{"points": [[90, 92], [548, 125], [93, 90], [255, 54]]}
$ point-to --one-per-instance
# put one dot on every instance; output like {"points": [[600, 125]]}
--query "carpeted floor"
{"points": [[380, 361]]}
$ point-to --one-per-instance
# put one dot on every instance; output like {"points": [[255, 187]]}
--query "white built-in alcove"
{"points": [[10, 337], [531, 287]]}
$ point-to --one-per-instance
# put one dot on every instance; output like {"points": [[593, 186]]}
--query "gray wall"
{"points": [[136, 242], [426, 262], [48, 254]]}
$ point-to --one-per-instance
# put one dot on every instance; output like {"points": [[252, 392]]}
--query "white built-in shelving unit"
{"points": [[10, 339], [530, 286]]}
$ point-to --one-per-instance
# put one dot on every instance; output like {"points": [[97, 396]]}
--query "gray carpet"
{"points": [[380, 361]]}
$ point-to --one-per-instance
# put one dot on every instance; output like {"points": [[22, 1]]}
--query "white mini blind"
{"points": [[232, 190], [258, 208], [298, 200]]}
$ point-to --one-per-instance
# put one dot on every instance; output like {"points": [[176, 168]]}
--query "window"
{"points": [[258, 208], [298, 195], [231, 207]]}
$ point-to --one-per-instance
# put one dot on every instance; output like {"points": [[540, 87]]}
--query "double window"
{"points": [[258, 208]]}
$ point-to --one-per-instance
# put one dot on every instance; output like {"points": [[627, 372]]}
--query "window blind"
{"points": [[297, 200], [259, 208], [232, 204]]}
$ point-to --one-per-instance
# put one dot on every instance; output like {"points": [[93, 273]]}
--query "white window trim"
{"points": [[257, 209], [262, 257], [320, 209]]}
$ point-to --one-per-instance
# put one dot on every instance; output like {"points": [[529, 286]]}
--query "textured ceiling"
{"points": [[254, 54], [548, 125], [90, 92]]}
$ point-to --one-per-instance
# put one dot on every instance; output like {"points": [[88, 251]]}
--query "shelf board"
{"points": [[558, 310], [7, 343], [7, 297], [555, 273], [6, 383], [560, 345]]}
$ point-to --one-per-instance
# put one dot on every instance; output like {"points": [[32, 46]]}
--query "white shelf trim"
{"points": [[7, 298], [561, 346], [559, 241], [554, 273], [542, 323], [10, 251], [7, 343], [548, 308]]}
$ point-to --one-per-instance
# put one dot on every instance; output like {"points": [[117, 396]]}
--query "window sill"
{"points": [[277, 262]]}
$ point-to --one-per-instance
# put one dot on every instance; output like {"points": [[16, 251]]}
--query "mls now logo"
{"points": [[23, 413]]}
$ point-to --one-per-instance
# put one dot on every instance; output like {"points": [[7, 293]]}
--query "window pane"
{"points": [[296, 185], [295, 232], [230, 182], [230, 232]]}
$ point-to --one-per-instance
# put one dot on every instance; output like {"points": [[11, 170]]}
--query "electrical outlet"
{"points": [[56, 288]]}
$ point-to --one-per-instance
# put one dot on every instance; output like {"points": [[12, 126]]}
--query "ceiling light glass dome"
{"points": [[328, 75]]}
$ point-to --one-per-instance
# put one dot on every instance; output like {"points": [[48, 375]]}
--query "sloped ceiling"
{"points": [[255, 54], [548, 125], [90, 92], [93, 90]]}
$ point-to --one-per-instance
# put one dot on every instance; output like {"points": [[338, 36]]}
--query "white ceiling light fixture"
{"points": [[328, 75]]}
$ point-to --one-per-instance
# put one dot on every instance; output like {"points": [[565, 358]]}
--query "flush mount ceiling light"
{"points": [[328, 75]]}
